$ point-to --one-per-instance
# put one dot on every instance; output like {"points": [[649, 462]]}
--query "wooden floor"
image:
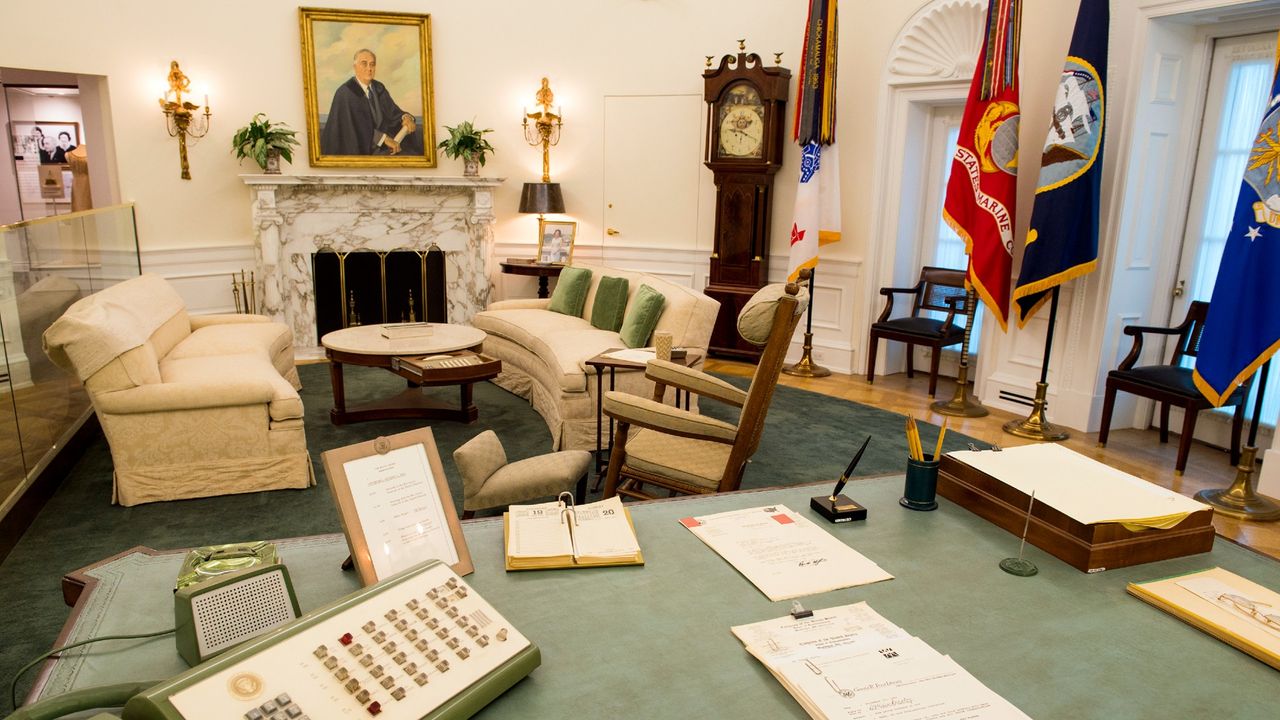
{"points": [[1137, 452]]}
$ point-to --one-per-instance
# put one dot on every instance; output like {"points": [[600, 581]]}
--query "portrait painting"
{"points": [[45, 141], [555, 242], [367, 86]]}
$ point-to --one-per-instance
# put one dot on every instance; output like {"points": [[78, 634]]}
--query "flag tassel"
{"points": [[805, 366], [1036, 426], [1242, 500]]}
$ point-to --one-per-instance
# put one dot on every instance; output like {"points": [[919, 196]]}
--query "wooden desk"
{"points": [[532, 268], [654, 641]]}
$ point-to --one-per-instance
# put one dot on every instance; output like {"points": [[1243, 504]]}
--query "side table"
{"points": [[603, 362], [532, 268]]}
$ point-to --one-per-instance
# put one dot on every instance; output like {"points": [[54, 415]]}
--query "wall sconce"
{"points": [[180, 115], [545, 130]]}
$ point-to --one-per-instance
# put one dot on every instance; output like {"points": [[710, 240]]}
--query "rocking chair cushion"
{"points": [[696, 462]]}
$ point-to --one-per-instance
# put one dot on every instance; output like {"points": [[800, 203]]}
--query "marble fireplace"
{"points": [[294, 216]]}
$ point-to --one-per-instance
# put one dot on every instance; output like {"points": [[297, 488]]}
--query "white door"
{"points": [[652, 174], [1239, 88]]}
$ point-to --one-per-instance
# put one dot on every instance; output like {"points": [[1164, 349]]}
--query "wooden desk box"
{"points": [[1091, 548]]}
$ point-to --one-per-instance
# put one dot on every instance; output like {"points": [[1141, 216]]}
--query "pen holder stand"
{"points": [[921, 490]]}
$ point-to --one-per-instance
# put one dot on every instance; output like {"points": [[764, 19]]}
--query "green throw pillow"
{"points": [[610, 303], [642, 317], [570, 295]]}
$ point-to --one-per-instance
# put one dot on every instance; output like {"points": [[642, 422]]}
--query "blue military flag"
{"points": [[1062, 242], [1243, 327]]}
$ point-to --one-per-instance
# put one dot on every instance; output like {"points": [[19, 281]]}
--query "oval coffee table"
{"points": [[364, 345]]}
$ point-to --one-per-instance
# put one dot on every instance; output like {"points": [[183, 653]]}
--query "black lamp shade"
{"points": [[541, 198]]}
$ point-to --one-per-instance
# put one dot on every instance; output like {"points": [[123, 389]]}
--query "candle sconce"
{"points": [[182, 118]]}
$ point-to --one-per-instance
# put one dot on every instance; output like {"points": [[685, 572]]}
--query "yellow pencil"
{"points": [[913, 436], [911, 446], [937, 452]]}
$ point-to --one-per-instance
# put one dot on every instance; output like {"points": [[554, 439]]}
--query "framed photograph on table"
{"points": [[366, 79], [394, 502], [555, 242]]}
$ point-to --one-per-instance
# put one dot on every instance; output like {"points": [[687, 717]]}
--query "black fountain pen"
{"points": [[849, 470], [837, 507]]}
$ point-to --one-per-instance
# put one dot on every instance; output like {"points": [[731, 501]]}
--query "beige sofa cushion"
{"points": [[201, 370], [561, 342], [99, 328], [133, 368], [275, 338]]}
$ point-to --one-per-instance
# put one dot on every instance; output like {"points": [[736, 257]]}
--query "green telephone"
{"points": [[421, 644]]}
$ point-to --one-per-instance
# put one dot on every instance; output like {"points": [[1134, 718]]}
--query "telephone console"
{"points": [[421, 644]]}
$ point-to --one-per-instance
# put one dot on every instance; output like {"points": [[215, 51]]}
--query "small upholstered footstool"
{"points": [[489, 482]]}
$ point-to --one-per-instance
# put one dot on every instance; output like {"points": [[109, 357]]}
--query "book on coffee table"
{"points": [[559, 535], [400, 331]]}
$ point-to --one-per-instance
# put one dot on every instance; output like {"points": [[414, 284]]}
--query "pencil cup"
{"points": [[921, 489], [662, 345]]}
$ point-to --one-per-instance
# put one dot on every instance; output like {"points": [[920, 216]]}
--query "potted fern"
{"points": [[468, 143], [266, 142]]}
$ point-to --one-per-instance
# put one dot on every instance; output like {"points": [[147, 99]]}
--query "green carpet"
{"points": [[807, 437]]}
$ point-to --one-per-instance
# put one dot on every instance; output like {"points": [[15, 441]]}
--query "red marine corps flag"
{"points": [[983, 187]]}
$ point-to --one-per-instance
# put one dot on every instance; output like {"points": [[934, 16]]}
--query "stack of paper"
{"points": [[783, 553], [551, 535], [850, 662], [1082, 488]]}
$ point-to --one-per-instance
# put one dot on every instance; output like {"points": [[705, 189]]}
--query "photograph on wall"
{"points": [[555, 242], [367, 87], [45, 141]]}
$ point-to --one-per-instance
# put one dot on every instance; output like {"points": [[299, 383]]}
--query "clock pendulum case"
{"points": [[745, 121]]}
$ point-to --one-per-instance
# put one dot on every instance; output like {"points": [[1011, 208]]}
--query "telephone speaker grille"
{"points": [[229, 615]]}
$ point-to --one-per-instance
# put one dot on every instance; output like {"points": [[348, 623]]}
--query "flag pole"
{"points": [[1036, 426], [805, 366], [962, 404], [1241, 500]]}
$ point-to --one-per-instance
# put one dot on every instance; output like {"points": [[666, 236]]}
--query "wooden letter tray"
{"points": [[1091, 548]]}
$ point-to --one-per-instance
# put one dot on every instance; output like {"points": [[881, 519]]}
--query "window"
{"points": [[1240, 88], [940, 245]]}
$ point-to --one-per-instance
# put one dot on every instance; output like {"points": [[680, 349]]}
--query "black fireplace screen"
{"points": [[365, 287]]}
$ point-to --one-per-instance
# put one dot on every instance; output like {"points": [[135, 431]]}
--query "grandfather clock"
{"points": [[745, 121]]}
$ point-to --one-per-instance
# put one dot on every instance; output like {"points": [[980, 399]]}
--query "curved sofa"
{"points": [[544, 353]]}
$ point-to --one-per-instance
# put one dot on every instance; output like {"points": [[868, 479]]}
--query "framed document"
{"points": [[394, 501]]}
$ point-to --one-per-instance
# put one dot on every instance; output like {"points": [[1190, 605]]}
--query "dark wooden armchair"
{"points": [[939, 289], [1171, 385]]}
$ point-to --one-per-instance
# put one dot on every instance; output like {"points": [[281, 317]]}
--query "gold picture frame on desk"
{"points": [[555, 241], [394, 502]]}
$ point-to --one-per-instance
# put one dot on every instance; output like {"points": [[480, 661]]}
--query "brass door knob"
{"points": [[612, 231]]}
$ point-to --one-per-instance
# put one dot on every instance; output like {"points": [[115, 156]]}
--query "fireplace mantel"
{"points": [[296, 215]]}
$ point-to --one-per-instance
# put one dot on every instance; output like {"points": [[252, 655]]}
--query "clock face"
{"points": [[741, 115]]}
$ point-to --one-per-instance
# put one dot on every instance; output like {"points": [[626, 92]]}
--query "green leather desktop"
{"points": [[654, 641]]}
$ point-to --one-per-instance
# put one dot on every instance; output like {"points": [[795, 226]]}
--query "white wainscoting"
{"points": [[202, 276], [834, 288]]}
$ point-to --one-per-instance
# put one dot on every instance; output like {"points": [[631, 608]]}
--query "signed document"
{"points": [[783, 553], [400, 511], [850, 662]]}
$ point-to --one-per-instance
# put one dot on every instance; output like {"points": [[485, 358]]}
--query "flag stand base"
{"points": [[1240, 500], [805, 367], [1036, 426], [962, 404]]}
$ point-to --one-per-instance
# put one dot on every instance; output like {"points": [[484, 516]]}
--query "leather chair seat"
{"points": [[922, 326]]}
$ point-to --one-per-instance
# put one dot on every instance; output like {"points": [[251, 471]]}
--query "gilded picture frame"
{"points": [[367, 85], [555, 241]]}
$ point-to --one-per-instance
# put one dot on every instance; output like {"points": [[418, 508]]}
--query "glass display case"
{"points": [[45, 266]]}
